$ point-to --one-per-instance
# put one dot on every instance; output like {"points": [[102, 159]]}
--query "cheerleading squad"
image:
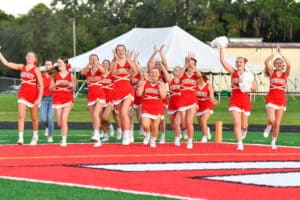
{"points": [[121, 87]]}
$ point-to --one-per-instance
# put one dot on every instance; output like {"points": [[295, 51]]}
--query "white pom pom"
{"points": [[245, 81], [219, 42]]}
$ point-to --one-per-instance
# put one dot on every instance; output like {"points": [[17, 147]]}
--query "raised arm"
{"points": [[9, 64], [150, 62], [268, 66], [166, 74], [163, 57], [287, 62], [133, 67], [85, 70], [224, 63]]}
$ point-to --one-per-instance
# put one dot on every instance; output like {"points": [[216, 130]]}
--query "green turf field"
{"points": [[24, 190], [80, 112]]}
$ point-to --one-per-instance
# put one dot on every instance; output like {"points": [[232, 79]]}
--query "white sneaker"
{"points": [[177, 141], [204, 139], [273, 145], [63, 144], [105, 138], [46, 132], [244, 134], [189, 145], [240, 147], [185, 135], [50, 139], [152, 143], [101, 134], [95, 138], [267, 131], [20, 141], [34, 140], [131, 138], [125, 140], [162, 139], [141, 132], [111, 130], [208, 133], [98, 144], [146, 139], [119, 134]]}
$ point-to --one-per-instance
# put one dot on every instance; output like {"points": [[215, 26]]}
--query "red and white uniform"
{"points": [[29, 91], [239, 101], [175, 95], [122, 86], [276, 97], [47, 81], [135, 82], [152, 104], [62, 96], [95, 91], [188, 96], [204, 101], [107, 85]]}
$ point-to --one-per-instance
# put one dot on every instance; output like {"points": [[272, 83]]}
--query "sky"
{"points": [[17, 7]]}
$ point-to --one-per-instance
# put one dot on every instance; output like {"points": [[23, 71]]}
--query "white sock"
{"points": [[21, 135], [273, 140], [35, 134], [177, 139], [64, 139], [190, 140]]}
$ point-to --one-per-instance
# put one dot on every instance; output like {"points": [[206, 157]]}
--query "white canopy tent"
{"points": [[177, 43]]}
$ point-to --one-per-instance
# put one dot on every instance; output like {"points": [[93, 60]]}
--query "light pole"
{"points": [[74, 37]]}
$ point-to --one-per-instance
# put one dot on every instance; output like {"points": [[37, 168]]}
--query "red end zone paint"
{"points": [[54, 163]]}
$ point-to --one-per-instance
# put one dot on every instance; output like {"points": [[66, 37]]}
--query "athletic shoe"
{"points": [[34, 140], [152, 143], [162, 139], [189, 145], [185, 135], [95, 138], [105, 138], [125, 140], [111, 130], [50, 139], [267, 131], [240, 147], [20, 141], [208, 133], [63, 144], [119, 134], [46, 132], [204, 139], [244, 134], [98, 144], [274, 146], [177, 141], [146, 139], [101, 134], [131, 137]]}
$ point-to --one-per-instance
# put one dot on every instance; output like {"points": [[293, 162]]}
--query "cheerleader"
{"points": [[161, 64], [239, 104], [188, 101], [153, 91], [123, 97], [30, 93], [46, 110], [205, 96], [96, 96], [276, 97], [135, 79], [173, 104], [63, 86]]}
